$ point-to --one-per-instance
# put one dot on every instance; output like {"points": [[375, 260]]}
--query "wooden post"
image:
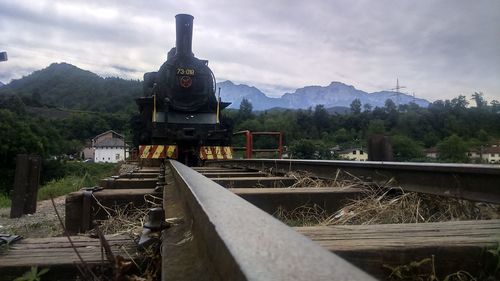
{"points": [[379, 149], [26, 182], [20, 186], [35, 164]]}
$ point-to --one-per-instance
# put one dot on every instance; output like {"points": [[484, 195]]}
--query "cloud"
{"points": [[437, 49]]}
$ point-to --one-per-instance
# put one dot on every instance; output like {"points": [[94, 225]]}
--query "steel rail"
{"points": [[241, 242], [464, 181]]}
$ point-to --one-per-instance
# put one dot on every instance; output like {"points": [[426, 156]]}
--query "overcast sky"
{"points": [[437, 49]]}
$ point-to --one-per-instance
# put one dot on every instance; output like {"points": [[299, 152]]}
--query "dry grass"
{"points": [[383, 204], [129, 220], [306, 215], [342, 180], [391, 205]]}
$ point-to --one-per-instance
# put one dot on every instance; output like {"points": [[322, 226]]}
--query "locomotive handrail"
{"points": [[465, 181], [243, 242]]}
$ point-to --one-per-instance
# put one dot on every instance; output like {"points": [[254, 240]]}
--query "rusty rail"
{"points": [[230, 239], [464, 181]]}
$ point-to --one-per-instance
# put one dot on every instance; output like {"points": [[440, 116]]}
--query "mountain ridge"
{"points": [[336, 94], [66, 85]]}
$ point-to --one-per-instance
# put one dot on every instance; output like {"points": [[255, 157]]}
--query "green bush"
{"points": [[71, 176]]}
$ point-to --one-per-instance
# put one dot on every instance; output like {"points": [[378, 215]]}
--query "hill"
{"points": [[67, 86]]}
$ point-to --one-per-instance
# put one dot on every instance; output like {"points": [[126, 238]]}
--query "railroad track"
{"points": [[221, 223], [223, 209]]}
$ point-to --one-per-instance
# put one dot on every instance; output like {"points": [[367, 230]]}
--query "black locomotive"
{"points": [[179, 106]]}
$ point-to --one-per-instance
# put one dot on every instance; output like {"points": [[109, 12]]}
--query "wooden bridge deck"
{"points": [[57, 254], [454, 245]]}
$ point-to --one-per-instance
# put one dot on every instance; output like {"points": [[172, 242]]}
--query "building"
{"points": [[353, 154], [88, 151], [491, 154], [109, 147], [431, 152]]}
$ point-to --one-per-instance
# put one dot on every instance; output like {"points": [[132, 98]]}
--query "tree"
{"points": [[495, 105], [303, 149], [367, 107], [321, 117], [390, 106], [245, 111], [479, 99], [453, 149], [459, 103], [342, 136], [375, 126], [308, 149], [406, 149], [356, 106]]}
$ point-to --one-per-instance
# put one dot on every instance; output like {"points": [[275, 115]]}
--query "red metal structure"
{"points": [[248, 148]]}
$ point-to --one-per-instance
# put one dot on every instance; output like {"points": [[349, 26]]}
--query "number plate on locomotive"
{"points": [[185, 71]]}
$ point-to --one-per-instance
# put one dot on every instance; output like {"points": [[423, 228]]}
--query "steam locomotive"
{"points": [[179, 112]]}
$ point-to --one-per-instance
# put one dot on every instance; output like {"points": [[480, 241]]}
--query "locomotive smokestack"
{"points": [[184, 34]]}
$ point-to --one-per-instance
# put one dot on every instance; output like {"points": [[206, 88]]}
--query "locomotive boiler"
{"points": [[179, 112]]}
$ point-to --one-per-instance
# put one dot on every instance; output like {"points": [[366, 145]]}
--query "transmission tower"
{"points": [[398, 91]]}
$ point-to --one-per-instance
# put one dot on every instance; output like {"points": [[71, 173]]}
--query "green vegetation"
{"points": [[78, 175], [72, 176], [33, 274], [488, 268], [451, 126]]}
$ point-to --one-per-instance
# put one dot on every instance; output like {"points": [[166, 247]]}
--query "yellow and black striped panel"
{"points": [[157, 151], [216, 152]]}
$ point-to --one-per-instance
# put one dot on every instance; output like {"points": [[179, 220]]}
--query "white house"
{"points": [[109, 147], [353, 154], [492, 154]]}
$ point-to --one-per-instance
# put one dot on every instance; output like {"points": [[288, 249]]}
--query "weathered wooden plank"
{"points": [[218, 170], [240, 182], [465, 181], [139, 175], [60, 256], [456, 245], [270, 199], [128, 183], [107, 197], [232, 174]]}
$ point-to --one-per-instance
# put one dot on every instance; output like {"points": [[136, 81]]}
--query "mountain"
{"points": [[1, 84], [65, 85], [235, 93], [335, 95]]}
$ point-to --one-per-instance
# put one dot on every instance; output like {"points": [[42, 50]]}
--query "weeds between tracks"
{"points": [[129, 220], [381, 204]]}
